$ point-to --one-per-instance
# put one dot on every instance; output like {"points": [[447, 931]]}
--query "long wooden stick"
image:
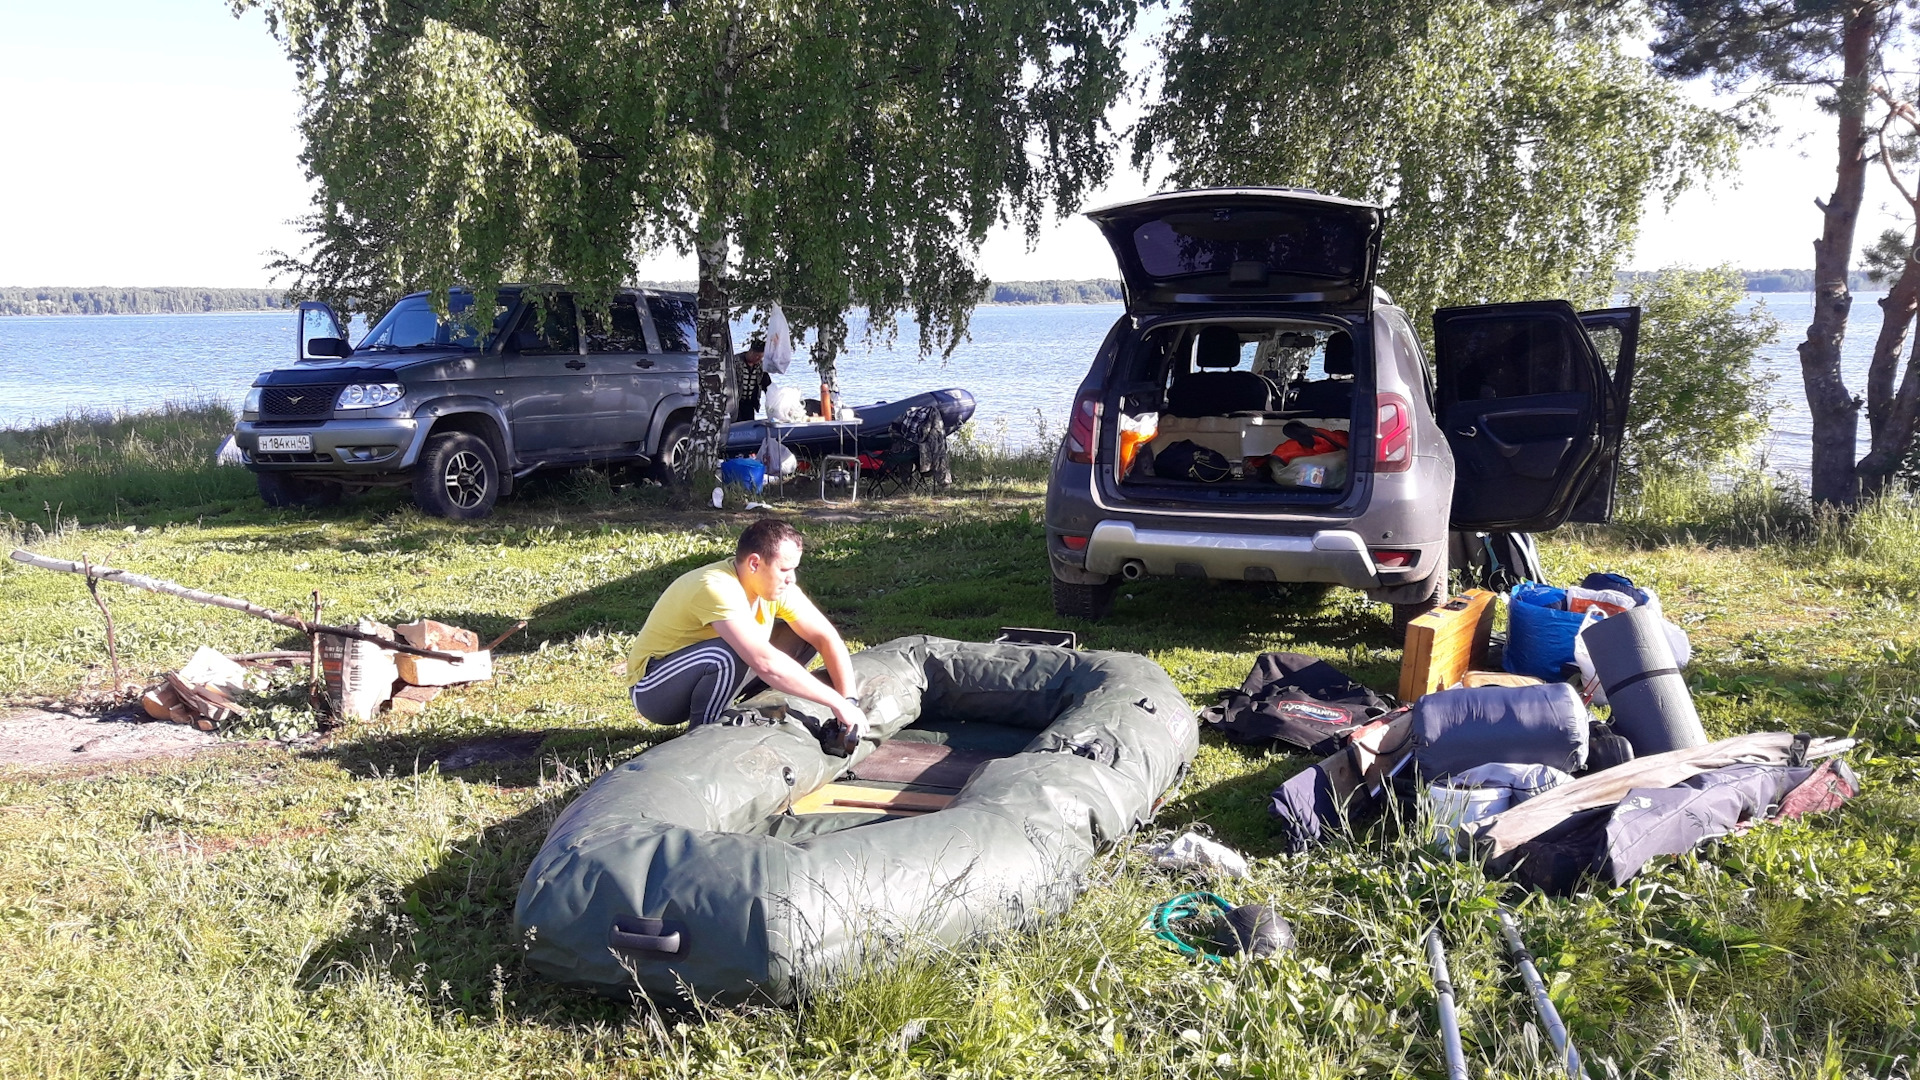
{"points": [[292, 622]]}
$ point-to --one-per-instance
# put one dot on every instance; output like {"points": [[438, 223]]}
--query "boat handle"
{"points": [[645, 935]]}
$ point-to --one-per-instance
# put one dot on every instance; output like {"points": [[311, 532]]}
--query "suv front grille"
{"points": [[298, 400]]}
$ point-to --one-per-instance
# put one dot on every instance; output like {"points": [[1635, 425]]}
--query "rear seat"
{"points": [[1220, 392], [1333, 395]]}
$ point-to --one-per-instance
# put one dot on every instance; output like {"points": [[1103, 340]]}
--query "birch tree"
{"points": [[830, 155], [1514, 148]]}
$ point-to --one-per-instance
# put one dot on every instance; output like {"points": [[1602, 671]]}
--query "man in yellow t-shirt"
{"points": [[743, 618]]}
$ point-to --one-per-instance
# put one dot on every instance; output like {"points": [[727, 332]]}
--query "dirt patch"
{"points": [[41, 739]]}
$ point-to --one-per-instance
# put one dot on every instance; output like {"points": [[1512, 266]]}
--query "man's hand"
{"points": [[851, 715]]}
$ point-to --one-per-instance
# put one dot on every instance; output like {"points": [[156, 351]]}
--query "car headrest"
{"points": [[1219, 347], [1339, 355]]}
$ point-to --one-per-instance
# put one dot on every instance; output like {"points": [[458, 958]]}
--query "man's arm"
{"points": [[783, 672], [815, 630]]}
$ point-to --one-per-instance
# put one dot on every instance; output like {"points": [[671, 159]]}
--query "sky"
{"points": [[152, 142]]}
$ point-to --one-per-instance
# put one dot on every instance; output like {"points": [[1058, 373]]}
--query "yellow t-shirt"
{"points": [[687, 610]]}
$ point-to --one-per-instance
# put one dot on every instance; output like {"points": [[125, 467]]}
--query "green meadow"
{"points": [[307, 903]]}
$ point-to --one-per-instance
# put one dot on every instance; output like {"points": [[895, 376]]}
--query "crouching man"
{"points": [[732, 628]]}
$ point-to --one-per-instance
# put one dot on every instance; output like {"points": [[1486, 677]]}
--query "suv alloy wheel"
{"points": [[456, 477], [674, 463]]}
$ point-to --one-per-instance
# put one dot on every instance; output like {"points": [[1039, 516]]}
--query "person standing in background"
{"points": [[752, 376]]}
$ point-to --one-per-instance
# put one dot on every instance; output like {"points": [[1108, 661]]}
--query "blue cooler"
{"points": [[744, 472]]}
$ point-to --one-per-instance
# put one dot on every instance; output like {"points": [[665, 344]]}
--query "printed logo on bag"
{"points": [[1307, 710]]}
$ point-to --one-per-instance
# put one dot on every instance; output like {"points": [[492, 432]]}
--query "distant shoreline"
{"points": [[181, 300]]}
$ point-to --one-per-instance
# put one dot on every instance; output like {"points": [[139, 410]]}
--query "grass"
{"points": [[342, 906]]}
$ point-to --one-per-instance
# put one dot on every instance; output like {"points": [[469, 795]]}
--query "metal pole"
{"points": [[1542, 1003], [1443, 995]]}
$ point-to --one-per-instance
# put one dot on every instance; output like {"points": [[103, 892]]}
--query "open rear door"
{"points": [[1615, 333], [1529, 410], [320, 335]]}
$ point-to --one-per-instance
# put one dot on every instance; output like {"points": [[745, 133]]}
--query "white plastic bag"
{"points": [[1676, 639], [1191, 851], [785, 405], [779, 354], [1322, 472], [779, 460]]}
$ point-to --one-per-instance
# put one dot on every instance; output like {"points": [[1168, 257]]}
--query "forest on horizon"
{"points": [[173, 300]]}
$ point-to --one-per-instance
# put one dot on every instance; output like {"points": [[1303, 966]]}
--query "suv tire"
{"points": [[1076, 601], [281, 491], [1436, 595], [674, 461], [456, 477]]}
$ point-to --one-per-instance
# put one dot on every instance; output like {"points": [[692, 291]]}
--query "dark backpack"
{"points": [[1188, 460], [1297, 700]]}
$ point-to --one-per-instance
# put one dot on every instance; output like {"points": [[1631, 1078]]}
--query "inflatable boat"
{"points": [[745, 862], [955, 407]]}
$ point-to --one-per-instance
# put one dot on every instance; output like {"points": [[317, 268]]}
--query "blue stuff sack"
{"points": [[1540, 631], [744, 472]]}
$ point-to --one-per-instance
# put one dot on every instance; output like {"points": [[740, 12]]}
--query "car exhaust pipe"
{"points": [[1133, 569]]}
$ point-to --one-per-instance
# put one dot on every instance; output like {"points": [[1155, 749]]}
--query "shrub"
{"points": [[1696, 396]]}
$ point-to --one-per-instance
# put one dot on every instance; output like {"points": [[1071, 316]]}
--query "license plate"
{"points": [[283, 443]]}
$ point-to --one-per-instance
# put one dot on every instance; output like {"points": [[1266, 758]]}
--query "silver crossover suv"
{"points": [[1263, 412]]}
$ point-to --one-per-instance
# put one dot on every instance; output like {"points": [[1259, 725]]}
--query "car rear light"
{"points": [[1074, 543], [1394, 558], [1084, 428], [1393, 434]]}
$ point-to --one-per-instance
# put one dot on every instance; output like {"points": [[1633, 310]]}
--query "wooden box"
{"points": [[1446, 643]]}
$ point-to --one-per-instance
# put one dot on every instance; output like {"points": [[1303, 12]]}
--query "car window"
{"points": [[1312, 244], [550, 327], [1510, 356], [676, 320], [413, 324], [618, 331]]}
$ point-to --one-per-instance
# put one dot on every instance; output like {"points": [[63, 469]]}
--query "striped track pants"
{"points": [[695, 684]]}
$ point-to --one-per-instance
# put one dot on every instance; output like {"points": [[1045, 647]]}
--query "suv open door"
{"points": [[1533, 414], [320, 335]]}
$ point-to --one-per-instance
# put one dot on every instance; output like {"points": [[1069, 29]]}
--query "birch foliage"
{"points": [[830, 155], [1515, 149]]}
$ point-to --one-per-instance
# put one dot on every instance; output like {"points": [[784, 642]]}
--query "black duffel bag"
{"points": [[1298, 700], [1188, 460]]}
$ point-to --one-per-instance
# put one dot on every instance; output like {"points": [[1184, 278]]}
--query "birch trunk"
{"points": [[710, 413]]}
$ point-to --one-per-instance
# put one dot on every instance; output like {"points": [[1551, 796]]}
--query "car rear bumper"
{"points": [[339, 447], [1336, 556]]}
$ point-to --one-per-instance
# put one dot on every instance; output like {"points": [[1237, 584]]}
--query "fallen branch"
{"points": [[141, 581], [509, 632], [269, 657]]}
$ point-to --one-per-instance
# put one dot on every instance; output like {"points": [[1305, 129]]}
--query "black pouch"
{"points": [[1297, 700], [1188, 460]]}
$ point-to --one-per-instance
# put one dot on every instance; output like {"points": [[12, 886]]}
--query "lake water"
{"points": [[1022, 364]]}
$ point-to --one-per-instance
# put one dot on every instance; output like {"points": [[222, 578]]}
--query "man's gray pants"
{"points": [[694, 685]]}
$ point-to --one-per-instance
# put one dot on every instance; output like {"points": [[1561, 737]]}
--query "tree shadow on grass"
{"points": [[448, 936]]}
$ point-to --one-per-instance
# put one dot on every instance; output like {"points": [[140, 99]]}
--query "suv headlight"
{"points": [[251, 406], [369, 395]]}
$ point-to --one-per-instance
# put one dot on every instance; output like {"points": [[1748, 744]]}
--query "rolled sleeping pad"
{"points": [[1455, 730], [1652, 707]]}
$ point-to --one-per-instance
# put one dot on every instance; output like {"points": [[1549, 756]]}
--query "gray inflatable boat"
{"points": [[743, 862]]}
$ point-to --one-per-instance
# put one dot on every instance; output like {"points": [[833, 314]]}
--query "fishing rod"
{"points": [[1542, 1003], [1443, 996]]}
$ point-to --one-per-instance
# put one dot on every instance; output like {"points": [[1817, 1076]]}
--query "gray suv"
{"points": [[459, 407], [1263, 412]]}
